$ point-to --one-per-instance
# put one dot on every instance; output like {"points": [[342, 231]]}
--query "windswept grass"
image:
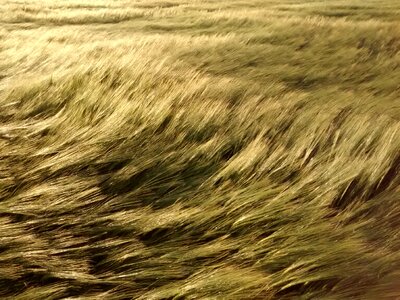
{"points": [[199, 150]]}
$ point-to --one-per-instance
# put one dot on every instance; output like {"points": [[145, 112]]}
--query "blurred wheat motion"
{"points": [[199, 149]]}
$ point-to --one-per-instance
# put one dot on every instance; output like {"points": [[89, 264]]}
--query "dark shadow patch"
{"points": [[392, 175], [350, 192], [156, 235]]}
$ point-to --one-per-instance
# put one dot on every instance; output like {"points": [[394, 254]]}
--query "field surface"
{"points": [[199, 149]]}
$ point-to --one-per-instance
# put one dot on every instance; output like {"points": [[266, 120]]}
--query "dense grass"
{"points": [[199, 149]]}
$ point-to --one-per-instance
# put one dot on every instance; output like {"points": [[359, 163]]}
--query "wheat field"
{"points": [[189, 149]]}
